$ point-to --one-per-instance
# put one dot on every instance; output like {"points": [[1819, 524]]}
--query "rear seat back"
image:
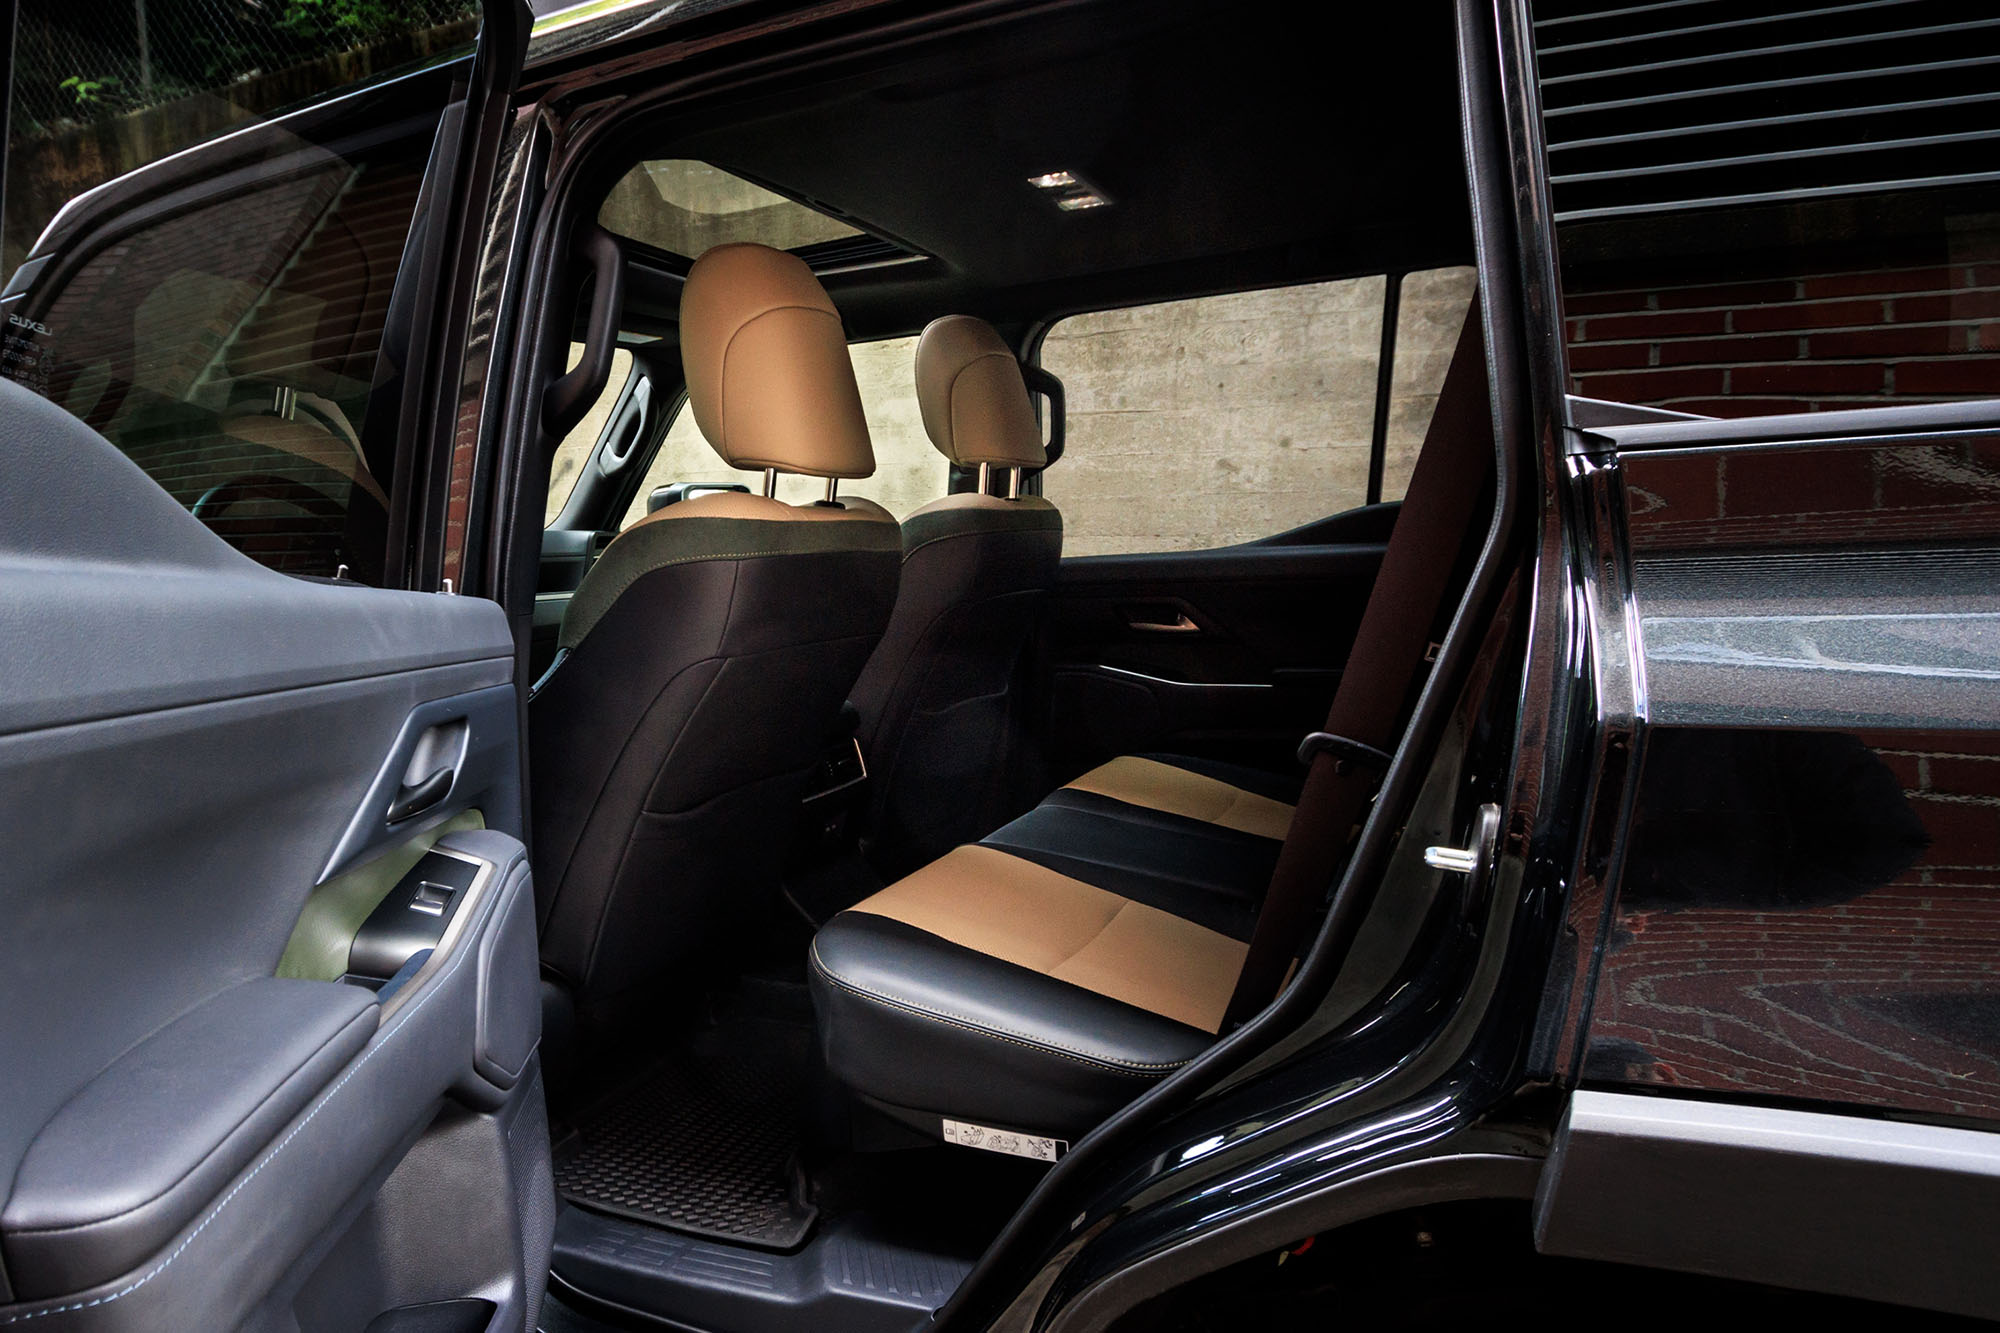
{"points": [[935, 702]]}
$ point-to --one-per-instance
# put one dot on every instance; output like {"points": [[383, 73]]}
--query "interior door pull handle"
{"points": [[415, 800], [1180, 624]]}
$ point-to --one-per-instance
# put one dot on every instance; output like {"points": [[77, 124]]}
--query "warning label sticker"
{"points": [[1004, 1140]]}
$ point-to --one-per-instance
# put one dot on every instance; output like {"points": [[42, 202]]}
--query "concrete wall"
{"points": [[1219, 420], [1192, 424]]}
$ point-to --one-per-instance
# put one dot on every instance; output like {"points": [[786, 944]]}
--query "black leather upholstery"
{"points": [[151, 1141], [937, 714], [922, 1024], [672, 745]]}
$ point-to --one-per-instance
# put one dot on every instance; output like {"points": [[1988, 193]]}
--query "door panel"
{"points": [[190, 743], [1233, 653]]}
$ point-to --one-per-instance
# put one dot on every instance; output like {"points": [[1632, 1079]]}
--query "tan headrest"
{"points": [[767, 368], [975, 403]]}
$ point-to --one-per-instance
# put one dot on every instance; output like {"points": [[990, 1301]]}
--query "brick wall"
{"points": [[1842, 337]]}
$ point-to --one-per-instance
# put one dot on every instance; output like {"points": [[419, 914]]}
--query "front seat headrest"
{"points": [[768, 373], [975, 404]]}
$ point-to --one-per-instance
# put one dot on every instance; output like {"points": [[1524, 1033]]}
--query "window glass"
{"points": [[102, 87], [684, 207], [1217, 420], [909, 472], [580, 443], [1429, 314], [1776, 219], [231, 350]]}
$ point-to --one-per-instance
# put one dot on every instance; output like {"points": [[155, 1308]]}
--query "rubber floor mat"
{"points": [[705, 1142]]}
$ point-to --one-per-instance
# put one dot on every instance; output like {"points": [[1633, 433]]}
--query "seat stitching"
{"points": [[437, 985], [994, 1030]]}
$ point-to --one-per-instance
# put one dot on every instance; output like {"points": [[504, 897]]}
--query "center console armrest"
{"points": [[133, 1157]]}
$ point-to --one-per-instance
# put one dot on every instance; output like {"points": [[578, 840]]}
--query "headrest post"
{"points": [[832, 486], [770, 483], [1013, 483], [985, 478]]}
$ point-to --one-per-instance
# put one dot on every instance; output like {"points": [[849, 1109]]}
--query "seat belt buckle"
{"points": [[1345, 752]]}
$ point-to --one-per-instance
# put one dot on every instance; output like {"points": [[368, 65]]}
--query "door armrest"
{"points": [[136, 1154]]}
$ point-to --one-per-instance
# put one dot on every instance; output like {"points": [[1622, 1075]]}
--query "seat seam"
{"points": [[371, 1012], [325, 1100], [1137, 1068]]}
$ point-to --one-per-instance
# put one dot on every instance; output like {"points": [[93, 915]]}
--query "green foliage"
{"points": [[89, 93], [315, 21]]}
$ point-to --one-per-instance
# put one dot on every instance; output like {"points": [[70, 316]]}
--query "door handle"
{"points": [[1180, 624], [414, 800]]}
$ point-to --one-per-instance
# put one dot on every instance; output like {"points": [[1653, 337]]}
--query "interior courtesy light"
{"points": [[1069, 191]]}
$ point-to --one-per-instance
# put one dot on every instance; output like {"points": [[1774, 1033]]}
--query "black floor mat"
{"points": [[705, 1142]]}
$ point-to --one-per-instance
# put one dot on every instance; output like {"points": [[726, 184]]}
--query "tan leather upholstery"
{"points": [[975, 404], [1177, 791], [307, 440], [767, 367], [735, 504], [1022, 913]]}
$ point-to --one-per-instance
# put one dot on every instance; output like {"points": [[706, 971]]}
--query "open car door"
{"points": [[268, 987]]}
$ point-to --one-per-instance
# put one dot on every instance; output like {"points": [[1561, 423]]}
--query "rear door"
{"points": [[268, 1003], [1228, 483]]}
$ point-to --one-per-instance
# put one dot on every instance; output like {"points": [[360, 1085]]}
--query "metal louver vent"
{"points": [[1682, 104]]}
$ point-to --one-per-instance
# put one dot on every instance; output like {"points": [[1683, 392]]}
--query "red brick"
{"points": [[1742, 407], [1603, 303], [1965, 776], [1680, 487], [1962, 306], [1976, 275], [1889, 283], [1651, 386], [1763, 483], [1971, 374], [1961, 834], [1733, 294], [1985, 338], [1904, 766], [1655, 324], [1923, 340], [1821, 315], [1728, 351], [1609, 356], [1805, 378]]}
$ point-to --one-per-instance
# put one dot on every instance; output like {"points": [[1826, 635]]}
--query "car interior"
{"points": [[995, 490], [883, 849]]}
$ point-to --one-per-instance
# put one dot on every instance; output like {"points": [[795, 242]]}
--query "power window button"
{"points": [[431, 899]]}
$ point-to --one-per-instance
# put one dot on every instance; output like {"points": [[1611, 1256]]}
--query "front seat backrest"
{"points": [[706, 655], [937, 714]]}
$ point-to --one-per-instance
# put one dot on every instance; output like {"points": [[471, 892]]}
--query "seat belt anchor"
{"points": [[1344, 752]]}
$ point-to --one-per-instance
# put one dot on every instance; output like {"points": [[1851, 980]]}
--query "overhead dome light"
{"points": [[1069, 191]]}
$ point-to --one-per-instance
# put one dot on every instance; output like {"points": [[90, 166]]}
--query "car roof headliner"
{"points": [[1240, 148]]}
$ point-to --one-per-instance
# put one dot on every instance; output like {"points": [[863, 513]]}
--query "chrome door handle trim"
{"points": [[1461, 860], [1180, 624]]}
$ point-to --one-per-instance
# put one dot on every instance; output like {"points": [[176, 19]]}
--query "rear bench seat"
{"points": [[1040, 979], [1043, 977]]}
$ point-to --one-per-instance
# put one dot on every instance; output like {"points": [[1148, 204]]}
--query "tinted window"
{"points": [[1223, 419], [102, 87], [233, 348]]}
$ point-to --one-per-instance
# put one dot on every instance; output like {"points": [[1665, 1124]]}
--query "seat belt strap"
{"points": [[1391, 647]]}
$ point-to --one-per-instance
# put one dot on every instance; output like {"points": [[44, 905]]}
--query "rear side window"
{"points": [[909, 472], [232, 350], [1223, 419]]}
